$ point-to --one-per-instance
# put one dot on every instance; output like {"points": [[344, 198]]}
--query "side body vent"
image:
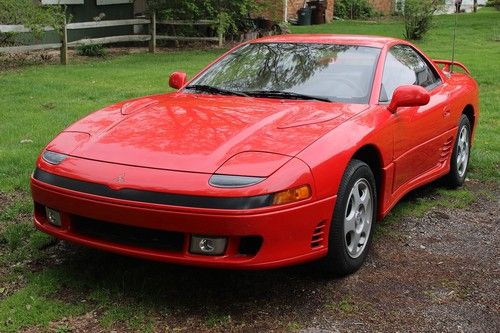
{"points": [[446, 151], [318, 236]]}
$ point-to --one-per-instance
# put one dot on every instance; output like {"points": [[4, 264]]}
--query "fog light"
{"points": [[212, 246], [54, 217]]}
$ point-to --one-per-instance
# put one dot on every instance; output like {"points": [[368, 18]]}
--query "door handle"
{"points": [[446, 112]]}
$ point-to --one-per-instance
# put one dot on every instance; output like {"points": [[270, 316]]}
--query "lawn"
{"points": [[39, 101]]}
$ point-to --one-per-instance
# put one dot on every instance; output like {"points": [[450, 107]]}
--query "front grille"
{"points": [[127, 235]]}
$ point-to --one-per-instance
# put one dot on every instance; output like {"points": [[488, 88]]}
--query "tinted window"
{"points": [[404, 66], [336, 72]]}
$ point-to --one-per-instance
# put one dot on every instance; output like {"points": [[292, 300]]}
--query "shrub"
{"points": [[418, 16], [493, 3], [91, 50], [353, 9], [230, 15], [31, 14]]}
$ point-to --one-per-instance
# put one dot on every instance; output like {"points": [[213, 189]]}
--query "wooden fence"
{"points": [[152, 37]]}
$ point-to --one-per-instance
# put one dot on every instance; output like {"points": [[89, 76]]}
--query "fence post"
{"points": [[152, 32], [64, 43], [221, 34]]}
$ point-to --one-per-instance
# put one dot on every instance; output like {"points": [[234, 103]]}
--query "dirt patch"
{"points": [[88, 322]]}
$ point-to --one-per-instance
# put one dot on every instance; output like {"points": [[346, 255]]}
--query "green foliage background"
{"points": [[418, 15], [229, 14], [30, 14], [353, 9]]}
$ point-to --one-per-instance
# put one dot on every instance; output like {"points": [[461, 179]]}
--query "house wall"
{"points": [[90, 9]]}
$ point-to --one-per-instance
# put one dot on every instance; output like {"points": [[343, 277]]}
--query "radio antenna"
{"points": [[453, 47]]}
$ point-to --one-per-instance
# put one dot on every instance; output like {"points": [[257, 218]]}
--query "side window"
{"points": [[404, 66]]}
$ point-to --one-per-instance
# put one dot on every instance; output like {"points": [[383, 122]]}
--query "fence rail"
{"points": [[152, 37], [19, 28]]}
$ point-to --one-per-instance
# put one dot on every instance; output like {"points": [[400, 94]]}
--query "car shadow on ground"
{"points": [[187, 291]]}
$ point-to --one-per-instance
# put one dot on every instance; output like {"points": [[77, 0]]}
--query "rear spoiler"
{"points": [[448, 63]]}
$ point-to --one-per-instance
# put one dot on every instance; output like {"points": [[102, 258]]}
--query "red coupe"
{"points": [[286, 149]]}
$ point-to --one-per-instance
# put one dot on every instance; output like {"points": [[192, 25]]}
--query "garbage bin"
{"points": [[304, 16], [318, 15]]}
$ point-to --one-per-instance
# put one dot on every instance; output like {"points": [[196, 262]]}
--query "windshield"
{"points": [[329, 72]]}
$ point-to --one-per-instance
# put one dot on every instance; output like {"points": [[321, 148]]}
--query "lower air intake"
{"points": [[128, 235], [318, 236]]}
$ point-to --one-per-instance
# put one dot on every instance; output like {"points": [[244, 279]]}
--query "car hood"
{"points": [[199, 133]]}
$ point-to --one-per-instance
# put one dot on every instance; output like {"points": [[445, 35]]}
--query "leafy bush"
{"points": [[493, 3], [353, 9], [418, 16], [91, 50], [31, 14], [229, 15]]}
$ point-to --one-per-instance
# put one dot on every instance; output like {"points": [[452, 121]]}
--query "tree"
{"points": [[229, 14], [30, 14], [353, 9], [418, 16]]}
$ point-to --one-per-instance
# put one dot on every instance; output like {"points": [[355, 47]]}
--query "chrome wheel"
{"points": [[462, 151], [358, 218]]}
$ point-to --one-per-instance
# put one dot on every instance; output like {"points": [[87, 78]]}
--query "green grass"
{"points": [[136, 320], [38, 102], [346, 305], [34, 305]]}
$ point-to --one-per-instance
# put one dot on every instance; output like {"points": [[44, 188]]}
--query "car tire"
{"points": [[459, 161], [352, 222]]}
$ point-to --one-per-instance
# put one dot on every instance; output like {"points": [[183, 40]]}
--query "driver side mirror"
{"points": [[177, 80], [408, 96]]}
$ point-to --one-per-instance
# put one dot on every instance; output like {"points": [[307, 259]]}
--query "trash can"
{"points": [[304, 16], [318, 15]]}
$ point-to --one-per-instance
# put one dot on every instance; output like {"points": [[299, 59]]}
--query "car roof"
{"points": [[373, 41]]}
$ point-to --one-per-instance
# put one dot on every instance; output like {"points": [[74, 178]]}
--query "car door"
{"points": [[418, 139]]}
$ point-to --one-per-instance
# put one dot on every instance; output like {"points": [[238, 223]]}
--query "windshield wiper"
{"points": [[214, 90], [285, 94]]}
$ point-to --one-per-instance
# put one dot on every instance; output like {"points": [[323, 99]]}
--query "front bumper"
{"points": [[289, 234]]}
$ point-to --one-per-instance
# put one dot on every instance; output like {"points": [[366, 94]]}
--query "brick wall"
{"points": [[384, 6], [273, 9]]}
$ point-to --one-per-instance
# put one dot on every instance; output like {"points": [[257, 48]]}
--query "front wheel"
{"points": [[352, 222], [459, 162]]}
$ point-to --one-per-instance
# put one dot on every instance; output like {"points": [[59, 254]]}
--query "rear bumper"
{"points": [[286, 231]]}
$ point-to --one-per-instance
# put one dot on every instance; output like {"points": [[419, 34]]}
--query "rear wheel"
{"points": [[352, 222], [459, 162]]}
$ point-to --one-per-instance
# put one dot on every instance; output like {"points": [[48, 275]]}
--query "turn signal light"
{"points": [[292, 195]]}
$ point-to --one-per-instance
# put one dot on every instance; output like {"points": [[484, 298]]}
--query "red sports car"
{"points": [[286, 149]]}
